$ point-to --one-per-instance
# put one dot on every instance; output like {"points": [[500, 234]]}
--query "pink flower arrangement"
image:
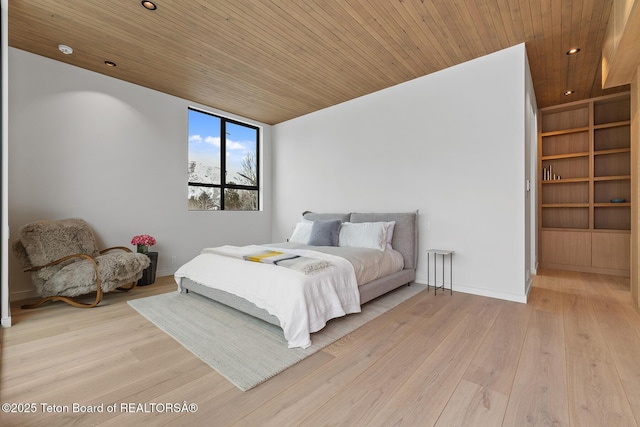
{"points": [[143, 242], [143, 239]]}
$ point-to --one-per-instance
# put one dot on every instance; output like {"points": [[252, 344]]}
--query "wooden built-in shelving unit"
{"points": [[584, 162]]}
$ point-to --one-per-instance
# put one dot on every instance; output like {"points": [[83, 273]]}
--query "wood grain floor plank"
{"points": [[77, 355], [494, 365], [539, 393], [473, 405], [421, 398], [596, 395], [621, 329], [481, 398]]}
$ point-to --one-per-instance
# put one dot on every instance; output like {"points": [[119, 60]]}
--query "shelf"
{"points": [[612, 178], [610, 217], [566, 156], [564, 180], [617, 163], [563, 143], [565, 119], [612, 205], [565, 216], [612, 137], [611, 151], [612, 109], [571, 167], [608, 189], [612, 125], [586, 143], [566, 193], [565, 131], [584, 230], [566, 205]]}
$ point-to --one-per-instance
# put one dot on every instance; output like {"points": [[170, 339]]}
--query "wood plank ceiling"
{"points": [[275, 60]]}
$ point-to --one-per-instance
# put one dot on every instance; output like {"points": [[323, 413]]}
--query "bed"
{"points": [[336, 280]]}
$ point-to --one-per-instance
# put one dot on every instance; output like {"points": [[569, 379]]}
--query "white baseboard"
{"points": [[20, 295], [491, 294], [6, 322], [166, 272], [482, 292], [527, 288]]}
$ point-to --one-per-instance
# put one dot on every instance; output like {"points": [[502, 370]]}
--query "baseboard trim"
{"points": [[20, 295], [6, 322], [164, 273], [527, 288], [483, 292]]}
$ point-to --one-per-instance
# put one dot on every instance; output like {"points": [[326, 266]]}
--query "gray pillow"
{"points": [[325, 233]]}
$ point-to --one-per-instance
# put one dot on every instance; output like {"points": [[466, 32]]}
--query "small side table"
{"points": [[149, 273], [443, 253]]}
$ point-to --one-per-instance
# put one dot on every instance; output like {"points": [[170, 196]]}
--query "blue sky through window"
{"points": [[204, 139], [204, 142]]}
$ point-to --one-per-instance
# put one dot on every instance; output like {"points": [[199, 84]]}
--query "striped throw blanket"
{"points": [[302, 264], [299, 263]]}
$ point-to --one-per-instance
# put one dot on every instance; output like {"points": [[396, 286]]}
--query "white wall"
{"points": [[451, 144], [86, 145], [531, 167], [5, 309]]}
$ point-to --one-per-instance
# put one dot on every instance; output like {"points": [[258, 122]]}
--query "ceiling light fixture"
{"points": [[570, 52], [65, 49], [148, 5], [109, 63]]}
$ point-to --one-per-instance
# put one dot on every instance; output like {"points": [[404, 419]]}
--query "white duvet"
{"points": [[302, 302]]}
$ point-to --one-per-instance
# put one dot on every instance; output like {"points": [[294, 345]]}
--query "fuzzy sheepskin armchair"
{"points": [[65, 262]]}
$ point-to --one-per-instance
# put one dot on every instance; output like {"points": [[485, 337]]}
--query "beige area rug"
{"points": [[245, 350]]}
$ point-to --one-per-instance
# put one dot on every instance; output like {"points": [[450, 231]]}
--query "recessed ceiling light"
{"points": [[573, 51], [567, 93], [148, 5], [109, 63], [65, 49]]}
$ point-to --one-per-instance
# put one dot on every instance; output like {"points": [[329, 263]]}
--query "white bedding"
{"points": [[303, 303], [368, 264]]}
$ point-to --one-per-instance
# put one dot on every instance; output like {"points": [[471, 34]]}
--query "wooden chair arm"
{"points": [[122, 248], [67, 299], [58, 261]]}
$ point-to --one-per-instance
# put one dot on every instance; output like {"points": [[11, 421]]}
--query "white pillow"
{"points": [[390, 227], [364, 235], [301, 233]]}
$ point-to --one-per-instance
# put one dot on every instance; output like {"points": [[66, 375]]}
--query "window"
{"points": [[218, 144]]}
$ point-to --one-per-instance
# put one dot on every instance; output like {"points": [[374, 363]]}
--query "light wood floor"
{"points": [[570, 357]]}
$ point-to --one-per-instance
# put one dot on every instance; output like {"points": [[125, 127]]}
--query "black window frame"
{"points": [[223, 163]]}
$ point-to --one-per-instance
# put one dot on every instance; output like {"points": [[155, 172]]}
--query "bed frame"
{"points": [[405, 241]]}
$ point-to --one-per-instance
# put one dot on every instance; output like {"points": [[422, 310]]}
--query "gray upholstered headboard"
{"points": [[405, 234]]}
